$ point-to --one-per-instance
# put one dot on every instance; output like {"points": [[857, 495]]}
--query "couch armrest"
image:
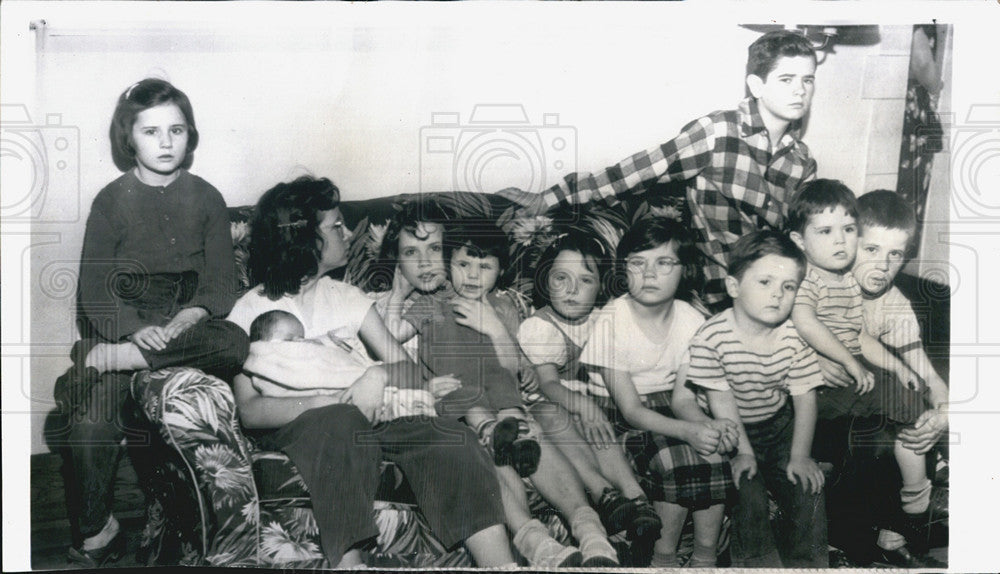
{"points": [[196, 415]]}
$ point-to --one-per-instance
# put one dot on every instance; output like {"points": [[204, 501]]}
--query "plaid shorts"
{"points": [[669, 469]]}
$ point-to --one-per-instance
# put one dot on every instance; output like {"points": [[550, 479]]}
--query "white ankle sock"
{"points": [[916, 497], [102, 538]]}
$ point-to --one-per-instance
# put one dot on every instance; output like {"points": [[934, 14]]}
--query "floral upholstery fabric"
{"points": [[224, 502]]}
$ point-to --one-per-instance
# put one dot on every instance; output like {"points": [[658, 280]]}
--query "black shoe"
{"points": [[645, 524], [111, 552], [903, 558], [525, 452], [614, 510]]}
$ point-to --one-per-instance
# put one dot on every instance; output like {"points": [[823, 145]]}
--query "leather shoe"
{"points": [[111, 552], [903, 558]]}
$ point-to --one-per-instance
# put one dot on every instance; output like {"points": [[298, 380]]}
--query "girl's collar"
{"points": [[134, 174]]}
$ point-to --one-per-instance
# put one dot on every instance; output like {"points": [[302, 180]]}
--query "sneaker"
{"points": [[645, 523]]}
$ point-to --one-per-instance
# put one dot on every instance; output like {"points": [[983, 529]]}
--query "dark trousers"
{"points": [[338, 454], [96, 411], [799, 538]]}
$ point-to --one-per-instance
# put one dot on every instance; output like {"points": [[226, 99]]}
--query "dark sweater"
{"points": [[137, 231]]}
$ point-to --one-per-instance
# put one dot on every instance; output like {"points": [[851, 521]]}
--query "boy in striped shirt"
{"points": [[887, 396], [756, 368]]}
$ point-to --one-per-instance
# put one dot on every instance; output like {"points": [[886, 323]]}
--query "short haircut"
{"points": [[759, 244], [138, 98], [816, 197], [884, 208], [284, 251], [763, 54], [480, 239], [262, 328], [652, 232], [590, 248]]}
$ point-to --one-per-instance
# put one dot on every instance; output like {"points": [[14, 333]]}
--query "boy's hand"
{"points": [[704, 437], [805, 469], [908, 378], [925, 433], [151, 338], [833, 374], [743, 463], [366, 392], [184, 320], [862, 376], [441, 386]]}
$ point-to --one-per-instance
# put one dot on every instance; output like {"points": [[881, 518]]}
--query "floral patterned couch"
{"points": [[218, 500]]}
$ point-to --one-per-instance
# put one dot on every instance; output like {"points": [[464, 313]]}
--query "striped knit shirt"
{"points": [[837, 305], [761, 380]]}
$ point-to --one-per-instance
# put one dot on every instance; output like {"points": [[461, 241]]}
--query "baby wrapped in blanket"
{"points": [[283, 363]]}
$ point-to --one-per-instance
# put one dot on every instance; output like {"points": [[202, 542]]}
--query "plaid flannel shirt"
{"points": [[735, 184]]}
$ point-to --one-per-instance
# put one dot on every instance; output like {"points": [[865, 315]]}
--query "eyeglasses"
{"points": [[662, 265]]}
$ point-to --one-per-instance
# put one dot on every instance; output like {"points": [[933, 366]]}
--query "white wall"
{"points": [[344, 91]]}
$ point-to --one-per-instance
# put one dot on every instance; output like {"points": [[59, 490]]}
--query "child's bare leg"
{"points": [[351, 559], [490, 548], [616, 467], [665, 549], [107, 357], [517, 413], [707, 523], [560, 431], [476, 417], [916, 491], [531, 537]]}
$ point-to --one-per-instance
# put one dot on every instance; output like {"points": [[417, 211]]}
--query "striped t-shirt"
{"points": [[761, 380], [837, 305]]}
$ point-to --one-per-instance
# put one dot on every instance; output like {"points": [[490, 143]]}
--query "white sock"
{"points": [[916, 497], [889, 540], [102, 538]]}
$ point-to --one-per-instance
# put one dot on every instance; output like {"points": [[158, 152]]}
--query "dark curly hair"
{"points": [[284, 251], [652, 232], [590, 248], [138, 98], [408, 215]]}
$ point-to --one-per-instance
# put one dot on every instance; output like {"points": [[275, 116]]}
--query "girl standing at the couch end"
{"points": [[156, 276]]}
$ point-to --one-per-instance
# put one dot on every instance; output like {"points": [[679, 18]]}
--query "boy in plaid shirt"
{"points": [[740, 167]]}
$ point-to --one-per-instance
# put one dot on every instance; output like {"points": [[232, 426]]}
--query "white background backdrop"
{"points": [[343, 90]]}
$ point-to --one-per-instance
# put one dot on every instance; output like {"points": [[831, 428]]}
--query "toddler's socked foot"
{"points": [[541, 550]]}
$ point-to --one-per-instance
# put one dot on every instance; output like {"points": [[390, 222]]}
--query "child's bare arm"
{"points": [[596, 427], [919, 362], [819, 337], [875, 351], [701, 436], [723, 405], [259, 411], [801, 466]]}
